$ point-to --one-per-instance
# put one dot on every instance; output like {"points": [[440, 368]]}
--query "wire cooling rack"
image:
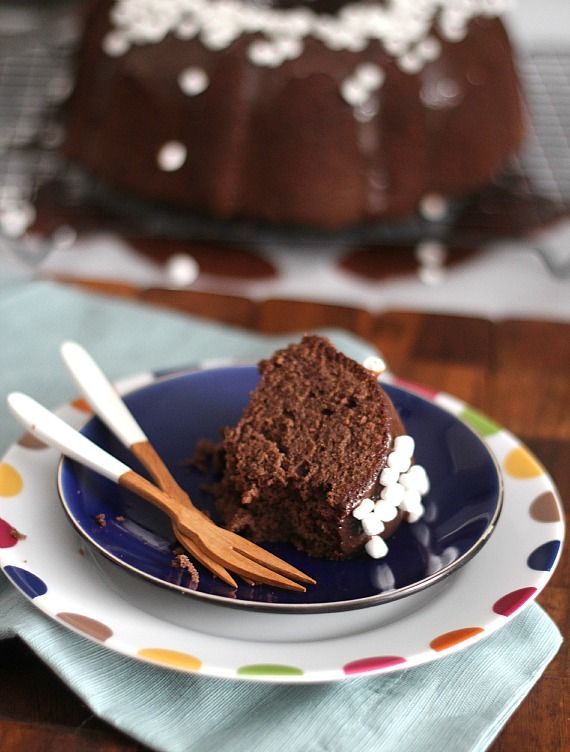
{"points": [[36, 49]]}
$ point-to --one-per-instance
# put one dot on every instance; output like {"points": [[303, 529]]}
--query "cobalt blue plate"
{"points": [[462, 506]]}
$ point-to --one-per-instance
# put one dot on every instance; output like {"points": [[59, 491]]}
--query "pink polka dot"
{"points": [[372, 664], [511, 602], [9, 536], [413, 387]]}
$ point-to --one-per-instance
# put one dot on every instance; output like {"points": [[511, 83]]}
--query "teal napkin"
{"points": [[458, 703]]}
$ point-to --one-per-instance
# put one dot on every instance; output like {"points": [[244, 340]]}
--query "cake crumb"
{"points": [[120, 518], [181, 561], [101, 520], [204, 456], [17, 535]]}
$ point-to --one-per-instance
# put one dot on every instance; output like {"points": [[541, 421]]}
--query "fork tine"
{"points": [[263, 557], [199, 554], [250, 569]]}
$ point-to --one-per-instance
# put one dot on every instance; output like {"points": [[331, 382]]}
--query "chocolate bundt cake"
{"points": [[319, 458], [317, 113]]}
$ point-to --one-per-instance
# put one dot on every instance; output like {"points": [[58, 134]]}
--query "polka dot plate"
{"points": [[461, 508], [49, 563]]}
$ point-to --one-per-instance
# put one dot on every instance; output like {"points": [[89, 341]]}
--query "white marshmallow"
{"points": [[412, 500], [393, 494], [193, 81], [372, 524], [416, 478], [376, 547], [372, 77], [375, 364], [404, 444], [385, 510], [399, 461], [171, 156], [433, 207], [353, 92], [365, 507], [389, 476], [431, 253], [415, 515], [115, 44], [420, 479]]}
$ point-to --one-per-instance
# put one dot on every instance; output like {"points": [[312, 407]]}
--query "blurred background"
{"points": [[506, 253]]}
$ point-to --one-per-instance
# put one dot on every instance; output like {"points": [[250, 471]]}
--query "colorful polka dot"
{"points": [[542, 558], [82, 405], [449, 639], [372, 664], [8, 535], [29, 583], [417, 388], [520, 463], [86, 624], [479, 422], [545, 508], [11, 482], [172, 658], [29, 441], [511, 602], [269, 669]]}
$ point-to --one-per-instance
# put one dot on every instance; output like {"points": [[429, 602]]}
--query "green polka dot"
{"points": [[479, 422], [268, 669]]}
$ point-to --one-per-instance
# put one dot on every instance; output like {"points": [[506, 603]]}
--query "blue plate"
{"points": [[462, 506]]}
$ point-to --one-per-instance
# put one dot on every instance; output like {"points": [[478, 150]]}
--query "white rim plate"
{"points": [[94, 598]]}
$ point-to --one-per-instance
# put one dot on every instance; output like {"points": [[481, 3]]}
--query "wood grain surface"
{"points": [[515, 371]]}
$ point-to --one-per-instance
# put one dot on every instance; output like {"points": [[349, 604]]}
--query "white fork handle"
{"points": [[101, 394], [54, 431]]}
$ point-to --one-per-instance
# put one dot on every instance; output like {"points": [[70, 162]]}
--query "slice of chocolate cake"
{"points": [[306, 461]]}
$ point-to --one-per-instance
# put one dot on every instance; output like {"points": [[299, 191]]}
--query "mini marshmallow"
{"points": [[171, 156], [420, 480], [416, 478], [404, 444], [415, 515], [115, 44], [433, 207], [431, 253], [393, 494], [365, 507], [385, 511], [389, 476], [372, 524], [374, 364], [398, 461], [353, 92], [193, 81], [372, 77], [412, 500], [432, 276], [376, 547]]}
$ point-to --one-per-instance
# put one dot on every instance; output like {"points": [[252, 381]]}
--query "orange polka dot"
{"points": [[520, 463], [172, 658], [81, 404], [11, 482], [449, 639]]}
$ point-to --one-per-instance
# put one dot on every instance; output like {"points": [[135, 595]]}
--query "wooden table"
{"points": [[517, 372]]}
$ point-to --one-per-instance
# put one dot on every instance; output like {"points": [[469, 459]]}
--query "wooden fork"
{"points": [[111, 409], [227, 549]]}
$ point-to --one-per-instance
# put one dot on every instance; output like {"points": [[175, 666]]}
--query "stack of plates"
{"points": [[487, 545]]}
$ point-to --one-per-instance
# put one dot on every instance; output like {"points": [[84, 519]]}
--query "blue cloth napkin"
{"points": [[458, 703]]}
